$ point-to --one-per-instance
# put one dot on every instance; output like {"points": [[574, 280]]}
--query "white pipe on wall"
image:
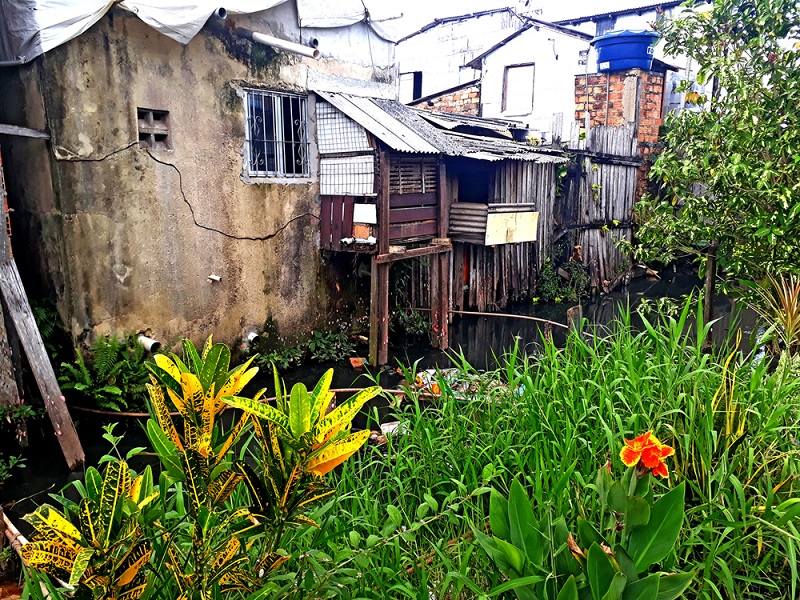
{"points": [[268, 40], [149, 343]]}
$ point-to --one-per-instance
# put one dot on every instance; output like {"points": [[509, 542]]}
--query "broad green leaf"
{"points": [[215, 363], [299, 410], [617, 497], [652, 542], [320, 396], [394, 514], [498, 515], [166, 450], [522, 526], [672, 586], [626, 564], [599, 571], [616, 588], [637, 512], [515, 585], [94, 482], [587, 533], [191, 358], [569, 591], [644, 589], [514, 555]]}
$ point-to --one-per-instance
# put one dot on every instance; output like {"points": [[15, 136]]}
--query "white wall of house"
{"points": [[554, 58], [441, 52]]}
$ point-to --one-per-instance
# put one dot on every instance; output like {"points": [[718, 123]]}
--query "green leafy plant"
{"points": [[7, 464], [551, 287], [330, 345], [542, 560], [778, 302], [115, 377]]}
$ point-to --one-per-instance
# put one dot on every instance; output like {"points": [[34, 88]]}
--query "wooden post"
{"points": [[9, 390], [379, 287], [16, 302], [440, 271]]}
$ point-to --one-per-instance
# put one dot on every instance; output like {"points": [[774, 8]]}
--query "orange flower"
{"points": [[648, 452]]}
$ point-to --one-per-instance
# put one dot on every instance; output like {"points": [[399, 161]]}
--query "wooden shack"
{"points": [[398, 183]]}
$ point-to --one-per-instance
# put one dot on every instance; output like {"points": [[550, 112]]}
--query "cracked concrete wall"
{"points": [[105, 225]]}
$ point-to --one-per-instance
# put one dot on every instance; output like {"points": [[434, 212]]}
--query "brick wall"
{"points": [[464, 101], [622, 97]]}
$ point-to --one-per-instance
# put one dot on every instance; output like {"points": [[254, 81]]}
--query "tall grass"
{"points": [[405, 510]]}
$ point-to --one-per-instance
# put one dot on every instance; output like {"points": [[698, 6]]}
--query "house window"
{"points": [[410, 86], [518, 89], [276, 135], [153, 128]]}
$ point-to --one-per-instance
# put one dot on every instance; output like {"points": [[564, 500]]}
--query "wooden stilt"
{"points": [[441, 298], [9, 389], [379, 314]]}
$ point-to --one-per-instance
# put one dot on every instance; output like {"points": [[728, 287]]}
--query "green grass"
{"points": [[556, 419]]}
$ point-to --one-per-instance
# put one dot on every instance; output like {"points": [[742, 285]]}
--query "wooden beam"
{"points": [[440, 271], [23, 132], [9, 390], [22, 316], [391, 257], [379, 284]]}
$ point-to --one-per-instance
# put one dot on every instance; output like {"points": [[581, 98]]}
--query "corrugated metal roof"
{"points": [[405, 130]]}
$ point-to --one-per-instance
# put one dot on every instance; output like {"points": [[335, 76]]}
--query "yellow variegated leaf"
{"points": [[222, 487], [136, 488], [289, 484], [238, 379], [344, 414], [315, 498], [47, 517], [134, 561], [116, 483], [336, 453], [165, 363], [192, 391], [230, 550], [80, 564], [133, 593], [263, 411], [321, 396], [145, 501], [163, 417], [304, 520], [232, 436], [270, 563], [206, 347], [49, 555], [299, 410], [94, 582], [177, 400], [90, 521]]}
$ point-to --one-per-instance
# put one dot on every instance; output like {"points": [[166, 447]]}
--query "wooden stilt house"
{"points": [[398, 183]]}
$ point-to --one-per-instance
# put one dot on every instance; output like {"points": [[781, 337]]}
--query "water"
{"points": [[479, 338]]}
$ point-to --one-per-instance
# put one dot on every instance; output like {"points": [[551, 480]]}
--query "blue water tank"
{"points": [[621, 50]]}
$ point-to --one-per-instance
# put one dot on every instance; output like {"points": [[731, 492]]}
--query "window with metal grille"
{"points": [[276, 134]]}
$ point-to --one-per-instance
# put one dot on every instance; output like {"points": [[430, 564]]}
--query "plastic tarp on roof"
{"points": [[29, 28], [341, 13]]}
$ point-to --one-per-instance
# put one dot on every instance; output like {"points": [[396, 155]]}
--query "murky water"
{"points": [[479, 338]]}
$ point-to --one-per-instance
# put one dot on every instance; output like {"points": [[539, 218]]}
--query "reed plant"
{"points": [[406, 509]]}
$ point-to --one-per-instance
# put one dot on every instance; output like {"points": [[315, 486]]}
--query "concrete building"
{"points": [[175, 186]]}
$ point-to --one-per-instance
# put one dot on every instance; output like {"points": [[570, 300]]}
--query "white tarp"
{"points": [[36, 26], [341, 13]]}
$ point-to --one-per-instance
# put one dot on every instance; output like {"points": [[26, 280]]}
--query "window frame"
{"points": [[279, 174], [510, 110]]}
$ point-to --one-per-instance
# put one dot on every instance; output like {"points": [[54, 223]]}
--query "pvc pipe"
{"points": [[252, 337], [213, 277], [149, 343], [221, 13], [268, 40]]}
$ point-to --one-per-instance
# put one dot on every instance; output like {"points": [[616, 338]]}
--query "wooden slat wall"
{"points": [[336, 221], [413, 188], [598, 194]]}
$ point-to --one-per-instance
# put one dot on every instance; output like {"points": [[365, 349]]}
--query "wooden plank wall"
{"points": [[595, 210], [488, 278]]}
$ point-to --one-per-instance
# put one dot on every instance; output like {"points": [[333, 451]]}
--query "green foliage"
{"points": [[777, 300], [730, 171], [115, 377], [411, 322], [330, 345], [7, 463], [551, 287]]}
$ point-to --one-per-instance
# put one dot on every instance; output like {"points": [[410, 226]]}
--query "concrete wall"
{"points": [[110, 228], [440, 52], [555, 56]]}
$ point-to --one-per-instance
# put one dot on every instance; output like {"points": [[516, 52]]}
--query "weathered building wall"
{"points": [[463, 101], [126, 237], [554, 57], [441, 52]]}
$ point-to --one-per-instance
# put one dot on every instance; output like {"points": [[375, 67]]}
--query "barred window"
{"points": [[276, 134]]}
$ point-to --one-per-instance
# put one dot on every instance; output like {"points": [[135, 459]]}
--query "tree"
{"points": [[730, 171]]}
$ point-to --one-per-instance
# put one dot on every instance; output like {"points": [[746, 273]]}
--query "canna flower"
{"points": [[648, 453]]}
